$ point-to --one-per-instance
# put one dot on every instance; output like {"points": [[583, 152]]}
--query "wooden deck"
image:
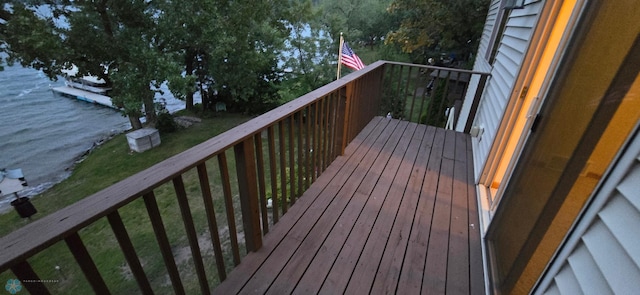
{"points": [[395, 214]]}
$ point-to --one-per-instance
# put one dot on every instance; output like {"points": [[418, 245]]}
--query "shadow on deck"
{"points": [[396, 213]]}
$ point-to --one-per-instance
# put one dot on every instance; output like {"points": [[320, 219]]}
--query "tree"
{"points": [[28, 39], [191, 29], [361, 20], [228, 49], [310, 54], [430, 27], [111, 39]]}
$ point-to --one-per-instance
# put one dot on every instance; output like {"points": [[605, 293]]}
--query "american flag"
{"points": [[350, 59]]}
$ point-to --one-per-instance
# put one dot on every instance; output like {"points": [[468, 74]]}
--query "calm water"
{"points": [[43, 133]]}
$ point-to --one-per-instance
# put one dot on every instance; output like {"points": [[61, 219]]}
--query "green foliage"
{"points": [[165, 123], [30, 40], [309, 57], [360, 20], [251, 55], [429, 28]]}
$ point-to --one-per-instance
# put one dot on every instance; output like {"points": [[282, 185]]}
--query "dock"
{"points": [[85, 96]]}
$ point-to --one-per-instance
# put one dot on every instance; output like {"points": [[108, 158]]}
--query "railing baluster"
{"points": [[413, 97], [444, 101], [354, 99], [292, 160], [261, 183], [273, 173], [331, 129], [301, 148], [207, 198], [425, 96], [330, 134], [308, 148], [87, 265], [248, 189], [432, 98], [398, 93], [322, 137], [341, 122], [372, 95], [228, 202], [163, 242], [316, 151], [129, 252], [192, 236], [283, 165], [405, 94], [29, 278]]}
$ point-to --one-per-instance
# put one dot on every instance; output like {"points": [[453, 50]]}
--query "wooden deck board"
{"points": [[254, 260], [349, 254], [394, 214], [336, 222], [394, 226], [407, 277]]}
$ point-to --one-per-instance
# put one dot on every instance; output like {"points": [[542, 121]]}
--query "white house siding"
{"points": [[480, 64], [511, 51], [602, 256]]}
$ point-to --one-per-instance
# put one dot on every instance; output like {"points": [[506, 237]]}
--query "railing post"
{"points": [[377, 91], [475, 103], [248, 189], [24, 272]]}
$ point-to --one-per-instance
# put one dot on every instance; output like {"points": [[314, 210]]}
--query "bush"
{"points": [[165, 123]]}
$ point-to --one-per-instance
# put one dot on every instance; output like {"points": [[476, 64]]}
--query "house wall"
{"points": [[481, 63], [602, 256], [511, 50]]}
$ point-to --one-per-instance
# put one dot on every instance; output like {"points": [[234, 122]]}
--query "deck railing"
{"points": [[228, 191]]}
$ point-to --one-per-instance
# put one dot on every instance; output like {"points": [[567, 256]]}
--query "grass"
{"points": [[105, 166], [112, 162]]}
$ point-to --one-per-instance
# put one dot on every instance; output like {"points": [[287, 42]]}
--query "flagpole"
{"points": [[339, 56]]}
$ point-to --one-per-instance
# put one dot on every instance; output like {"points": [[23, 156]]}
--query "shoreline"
{"points": [[39, 189]]}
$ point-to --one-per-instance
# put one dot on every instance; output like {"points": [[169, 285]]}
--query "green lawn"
{"points": [[105, 166]]}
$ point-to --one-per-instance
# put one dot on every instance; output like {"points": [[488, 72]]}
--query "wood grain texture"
{"points": [[129, 252], [391, 216]]}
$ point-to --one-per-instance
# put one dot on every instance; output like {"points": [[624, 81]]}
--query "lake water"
{"points": [[44, 134]]}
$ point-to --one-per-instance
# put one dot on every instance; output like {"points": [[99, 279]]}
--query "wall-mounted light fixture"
{"points": [[476, 131]]}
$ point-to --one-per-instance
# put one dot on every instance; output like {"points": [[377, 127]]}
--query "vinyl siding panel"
{"points": [[586, 280], [512, 48], [490, 23], [605, 259], [480, 64]]}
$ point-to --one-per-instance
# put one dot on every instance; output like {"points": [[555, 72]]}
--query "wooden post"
{"points": [[24, 272], [88, 267], [475, 103], [247, 185], [350, 119]]}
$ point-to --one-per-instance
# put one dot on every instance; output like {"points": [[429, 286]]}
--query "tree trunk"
{"points": [[149, 108], [189, 101], [188, 62], [135, 122]]}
